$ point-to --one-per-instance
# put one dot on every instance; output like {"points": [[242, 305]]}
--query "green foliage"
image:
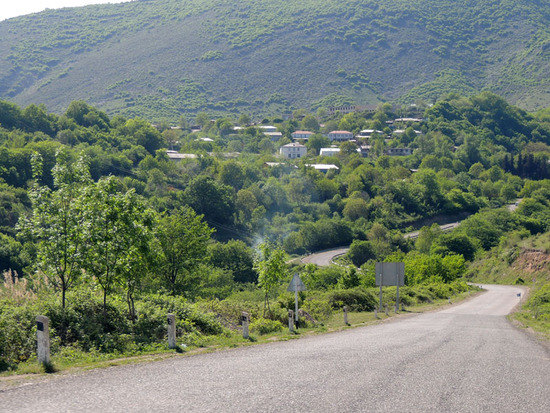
{"points": [[182, 237], [355, 299], [360, 252], [271, 268], [265, 326], [413, 61]]}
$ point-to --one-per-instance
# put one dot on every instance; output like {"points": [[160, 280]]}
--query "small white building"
{"points": [[322, 167], [329, 151], [340, 135], [177, 157], [293, 150]]}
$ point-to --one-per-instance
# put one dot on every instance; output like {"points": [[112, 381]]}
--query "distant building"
{"points": [[268, 128], [323, 167], [274, 136], [340, 135], [329, 151], [398, 151], [300, 134], [177, 157], [350, 109], [366, 133], [293, 150]]}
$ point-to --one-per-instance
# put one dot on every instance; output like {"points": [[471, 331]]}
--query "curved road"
{"points": [[325, 258], [466, 358]]}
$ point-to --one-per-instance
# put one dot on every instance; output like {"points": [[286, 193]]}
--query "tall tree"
{"points": [[56, 222], [117, 229], [183, 238]]}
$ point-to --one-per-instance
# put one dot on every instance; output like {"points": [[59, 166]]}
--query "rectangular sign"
{"points": [[390, 274]]}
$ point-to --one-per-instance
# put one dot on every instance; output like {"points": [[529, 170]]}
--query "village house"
{"points": [[300, 134], [329, 151], [340, 135], [293, 150], [398, 151], [322, 167]]}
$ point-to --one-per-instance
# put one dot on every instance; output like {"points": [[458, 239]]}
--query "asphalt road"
{"points": [[325, 258], [466, 358]]}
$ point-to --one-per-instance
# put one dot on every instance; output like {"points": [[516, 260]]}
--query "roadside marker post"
{"points": [[171, 331], [346, 315], [245, 319], [43, 339], [291, 321]]}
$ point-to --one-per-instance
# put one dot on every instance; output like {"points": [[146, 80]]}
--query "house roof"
{"points": [[341, 131], [293, 144], [322, 166]]}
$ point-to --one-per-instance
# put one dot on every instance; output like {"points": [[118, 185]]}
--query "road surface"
{"points": [[466, 358], [325, 258]]}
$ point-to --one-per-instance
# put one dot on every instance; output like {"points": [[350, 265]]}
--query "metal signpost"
{"points": [[296, 285], [390, 274]]}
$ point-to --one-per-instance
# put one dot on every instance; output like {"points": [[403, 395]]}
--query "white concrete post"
{"points": [[43, 339], [171, 331], [345, 315], [376, 313], [291, 321], [387, 311], [245, 320]]}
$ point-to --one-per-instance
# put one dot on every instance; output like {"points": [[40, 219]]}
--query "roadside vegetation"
{"points": [[105, 234]]}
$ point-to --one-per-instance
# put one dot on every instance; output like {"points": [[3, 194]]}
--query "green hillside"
{"points": [[164, 58]]}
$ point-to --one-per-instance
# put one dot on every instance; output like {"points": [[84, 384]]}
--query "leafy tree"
{"points": [[455, 243], [183, 238], [236, 257], [316, 142], [310, 123], [57, 221], [11, 257], [117, 228], [356, 208], [360, 252], [272, 269], [210, 198]]}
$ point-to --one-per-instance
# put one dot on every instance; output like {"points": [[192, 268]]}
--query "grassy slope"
{"points": [[161, 58]]}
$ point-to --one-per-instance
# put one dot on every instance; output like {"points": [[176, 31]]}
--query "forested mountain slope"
{"points": [[163, 58]]}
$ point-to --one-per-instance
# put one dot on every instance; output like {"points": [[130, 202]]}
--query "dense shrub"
{"points": [[540, 302], [355, 299], [319, 309], [265, 326], [17, 333]]}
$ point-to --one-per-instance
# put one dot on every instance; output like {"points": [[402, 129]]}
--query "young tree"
{"points": [[183, 238], [272, 269], [117, 228], [56, 222]]}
